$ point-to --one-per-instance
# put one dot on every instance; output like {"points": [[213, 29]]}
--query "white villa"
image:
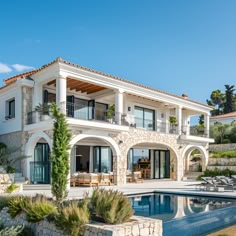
{"points": [[138, 135], [228, 118]]}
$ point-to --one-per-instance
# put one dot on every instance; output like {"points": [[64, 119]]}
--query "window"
{"points": [[10, 109], [144, 118]]}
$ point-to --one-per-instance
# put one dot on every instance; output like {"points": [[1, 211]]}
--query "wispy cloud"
{"points": [[19, 67], [4, 68]]}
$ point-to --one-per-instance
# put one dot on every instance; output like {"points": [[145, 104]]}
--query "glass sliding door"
{"points": [[100, 111], [161, 164], [156, 165], [102, 159], [144, 118], [40, 167]]}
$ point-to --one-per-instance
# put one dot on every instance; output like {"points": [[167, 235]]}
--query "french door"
{"points": [[40, 167], [161, 164]]}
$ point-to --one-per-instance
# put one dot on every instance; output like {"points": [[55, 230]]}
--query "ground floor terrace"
{"points": [[151, 154]]}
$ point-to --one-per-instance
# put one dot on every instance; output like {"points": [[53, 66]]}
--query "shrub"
{"points": [[11, 188], [73, 218], [217, 172], [12, 231], [17, 204], [4, 202], [39, 209], [219, 154], [110, 206]]}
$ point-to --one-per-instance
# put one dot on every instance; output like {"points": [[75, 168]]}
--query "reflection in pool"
{"points": [[167, 207]]}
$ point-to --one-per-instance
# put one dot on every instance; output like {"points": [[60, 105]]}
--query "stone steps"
{"points": [[39, 187], [19, 178]]}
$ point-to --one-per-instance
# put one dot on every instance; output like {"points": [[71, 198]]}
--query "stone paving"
{"points": [[184, 187]]}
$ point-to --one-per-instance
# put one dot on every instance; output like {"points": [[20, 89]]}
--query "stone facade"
{"points": [[138, 226], [14, 143], [140, 136]]}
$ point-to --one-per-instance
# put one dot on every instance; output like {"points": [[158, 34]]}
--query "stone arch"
{"points": [[29, 149], [174, 152], [114, 147], [187, 153], [109, 140]]}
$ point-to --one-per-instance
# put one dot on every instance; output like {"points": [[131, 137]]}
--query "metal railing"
{"points": [[40, 172], [78, 111], [35, 117]]}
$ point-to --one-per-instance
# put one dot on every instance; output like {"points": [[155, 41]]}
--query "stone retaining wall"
{"points": [[222, 161], [44, 228], [221, 167], [138, 226], [222, 147]]}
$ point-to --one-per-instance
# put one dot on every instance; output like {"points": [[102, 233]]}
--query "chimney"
{"points": [[185, 96]]}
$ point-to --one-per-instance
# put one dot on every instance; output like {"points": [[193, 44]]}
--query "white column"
{"points": [[179, 119], [207, 124], [61, 93], [119, 106], [38, 95]]}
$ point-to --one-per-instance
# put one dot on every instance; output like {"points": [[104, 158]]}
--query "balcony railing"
{"points": [[81, 112], [78, 111]]}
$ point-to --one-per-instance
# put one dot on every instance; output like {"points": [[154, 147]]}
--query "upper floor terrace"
{"points": [[93, 99]]}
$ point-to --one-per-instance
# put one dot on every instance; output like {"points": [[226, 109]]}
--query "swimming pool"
{"points": [[186, 215]]}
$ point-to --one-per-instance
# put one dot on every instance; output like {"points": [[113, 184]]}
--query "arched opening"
{"points": [[94, 154], [195, 160], [152, 160], [38, 164]]}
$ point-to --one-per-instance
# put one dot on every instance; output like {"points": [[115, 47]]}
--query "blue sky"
{"points": [[177, 46]]}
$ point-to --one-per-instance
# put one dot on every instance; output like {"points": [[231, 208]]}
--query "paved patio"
{"points": [[184, 187]]}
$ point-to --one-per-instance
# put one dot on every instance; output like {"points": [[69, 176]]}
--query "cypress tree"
{"points": [[60, 155]]}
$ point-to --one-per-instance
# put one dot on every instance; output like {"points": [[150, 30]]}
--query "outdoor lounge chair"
{"points": [[225, 183], [209, 183], [233, 178]]}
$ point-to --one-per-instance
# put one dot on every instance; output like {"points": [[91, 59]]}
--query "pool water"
{"points": [[184, 215]]}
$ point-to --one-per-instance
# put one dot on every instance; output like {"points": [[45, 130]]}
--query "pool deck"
{"points": [[183, 187]]}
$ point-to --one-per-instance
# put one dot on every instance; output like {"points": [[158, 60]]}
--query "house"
{"points": [[137, 135], [228, 118]]}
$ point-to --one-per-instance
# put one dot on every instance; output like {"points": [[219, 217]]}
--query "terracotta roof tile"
{"points": [[231, 114], [24, 75]]}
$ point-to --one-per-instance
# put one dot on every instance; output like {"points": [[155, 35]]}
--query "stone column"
{"points": [[119, 106], [179, 119], [61, 93], [207, 124], [119, 170], [179, 169]]}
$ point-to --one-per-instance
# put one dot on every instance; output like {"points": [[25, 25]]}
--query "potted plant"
{"points": [[172, 173], [201, 129], [111, 113], [173, 124], [43, 110]]}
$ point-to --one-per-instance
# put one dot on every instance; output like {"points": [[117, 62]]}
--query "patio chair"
{"points": [[105, 179], [137, 177]]}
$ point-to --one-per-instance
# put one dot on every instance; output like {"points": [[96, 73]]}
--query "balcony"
{"points": [[101, 117]]}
